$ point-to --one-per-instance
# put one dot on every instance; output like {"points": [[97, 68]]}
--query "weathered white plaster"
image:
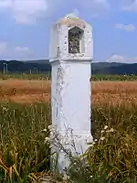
{"points": [[71, 88]]}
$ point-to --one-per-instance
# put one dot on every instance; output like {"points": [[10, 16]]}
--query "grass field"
{"points": [[31, 91], [25, 112], [107, 77], [47, 76]]}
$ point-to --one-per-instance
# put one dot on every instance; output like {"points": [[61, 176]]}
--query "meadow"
{"points": [[47, 76], [37, 91], [25, 114]]}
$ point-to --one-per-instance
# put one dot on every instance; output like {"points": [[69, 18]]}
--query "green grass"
{"points": [[25, 76], [22, 148], [47, 76], [108, 77], [113, 157]]}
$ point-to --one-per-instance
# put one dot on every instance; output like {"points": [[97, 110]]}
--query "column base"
{"points": [[66, 146]]}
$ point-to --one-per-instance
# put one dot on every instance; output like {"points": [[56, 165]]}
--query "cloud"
{"points": [[22, 49], [128, 28], [5, 3], [29, 11], [130, 5], [121, 59], [17, 52], [25, 11], [90, 7]]}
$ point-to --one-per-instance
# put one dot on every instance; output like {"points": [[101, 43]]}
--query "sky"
{"points": [[25, 27]]}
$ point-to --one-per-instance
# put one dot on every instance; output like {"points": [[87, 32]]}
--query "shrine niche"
{"points": [[75, 40]]}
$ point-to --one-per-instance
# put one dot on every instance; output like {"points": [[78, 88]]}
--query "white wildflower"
{"points": [[5, 109], [51, 134], [91, 145], [105, 127], [93, 142], [102, 138], [96, 140], [45, 130], [91, 176], [50, 127], [47, 140], [111, 130], [102, 131]]}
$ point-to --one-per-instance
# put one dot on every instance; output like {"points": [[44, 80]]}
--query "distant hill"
{"points": [[42, 61], [114, 68], [104, 67], [43, 66], [36, 66]]}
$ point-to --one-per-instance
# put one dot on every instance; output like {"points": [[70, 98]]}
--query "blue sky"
{"points": [[25, 27]]}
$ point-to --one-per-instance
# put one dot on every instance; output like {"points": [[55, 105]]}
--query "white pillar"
{"points": [[71, 87]]}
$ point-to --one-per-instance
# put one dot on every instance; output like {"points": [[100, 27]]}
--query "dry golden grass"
{"points": [[114, 92], [24, 91], [29, 91]]}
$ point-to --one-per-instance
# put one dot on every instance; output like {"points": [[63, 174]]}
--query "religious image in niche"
{"points": [[74, 41]]}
